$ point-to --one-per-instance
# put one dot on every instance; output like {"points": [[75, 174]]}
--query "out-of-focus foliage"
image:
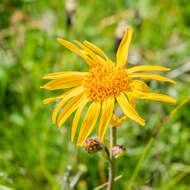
{"points": [[34, 153]]}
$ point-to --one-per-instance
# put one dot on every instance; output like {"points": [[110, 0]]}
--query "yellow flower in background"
{"points": [[104, 84]]}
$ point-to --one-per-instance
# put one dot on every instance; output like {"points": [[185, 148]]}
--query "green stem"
{"points": [[113, 139]]}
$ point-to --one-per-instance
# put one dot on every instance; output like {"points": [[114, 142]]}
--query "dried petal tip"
{"points": [[118, 151], [92, 145]]}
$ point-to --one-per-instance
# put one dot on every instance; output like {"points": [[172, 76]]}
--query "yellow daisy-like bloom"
{"points": [[105, 82]]}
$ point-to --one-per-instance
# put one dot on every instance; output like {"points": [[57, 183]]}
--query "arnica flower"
{"points": [[100, 88]]}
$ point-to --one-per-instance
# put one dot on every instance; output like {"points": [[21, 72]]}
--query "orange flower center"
{"points": [[105, 81]]}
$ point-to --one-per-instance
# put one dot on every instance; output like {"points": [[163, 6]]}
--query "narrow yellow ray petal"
{"points": [[89, 122], [95, 57], [128, 109], [53, 74], [70, 46], [64, 74], [122, 52], [107, 112], [77, 117], [65, 97], [151, 76], [97, 50], [147, 68], [61, 84], [115, 121], [48, 100], [131, 100], [139, 85], [89, 60], [66, 81], [136, 85], [70, 107], [153, 96], [75, 49]]}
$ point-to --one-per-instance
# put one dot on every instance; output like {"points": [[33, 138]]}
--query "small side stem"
{"points": [[113, 141]]}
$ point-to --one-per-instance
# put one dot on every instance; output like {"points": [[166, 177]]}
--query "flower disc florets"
{"points": [[104, 81]]}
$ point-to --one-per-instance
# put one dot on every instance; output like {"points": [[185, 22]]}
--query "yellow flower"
{"points": [[105, 82]]}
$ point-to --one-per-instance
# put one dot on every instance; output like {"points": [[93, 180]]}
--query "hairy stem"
{"points": [[113, 138]]}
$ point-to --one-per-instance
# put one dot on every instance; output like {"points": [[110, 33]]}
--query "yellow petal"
{"points": [[136, 85], [107, 111], [70, 46], [48, 100], [66, 81], [151, 76], [70, 107], [97, 50], [115, 121], [139, 85], [89, 122], [122, 52], [65, 97], [128, 109], [95, 57], [53, 74], [77, 117], [131, 100], [74, 48], [64, 74], [153, 96], [147, 68]]}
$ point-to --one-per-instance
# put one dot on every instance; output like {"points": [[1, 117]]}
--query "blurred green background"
{"points": [[34, 153]]}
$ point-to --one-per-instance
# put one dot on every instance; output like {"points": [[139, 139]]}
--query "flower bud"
{"points": [[92, 145], [118, 151]]}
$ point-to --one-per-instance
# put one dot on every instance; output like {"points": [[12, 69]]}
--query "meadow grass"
{"points": [[34, 153]]}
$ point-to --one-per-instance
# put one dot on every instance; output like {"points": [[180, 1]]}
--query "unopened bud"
{"points": [[118, 151], [92, 145]]}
